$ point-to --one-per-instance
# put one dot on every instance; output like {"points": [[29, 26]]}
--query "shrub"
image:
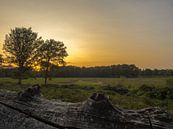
{"points": [[157, 93], [120, 89]]}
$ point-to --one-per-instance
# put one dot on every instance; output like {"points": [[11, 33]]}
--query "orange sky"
{"points": [[99, 32]]}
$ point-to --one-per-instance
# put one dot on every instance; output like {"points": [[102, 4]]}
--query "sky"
{"points": [[99, 32]]}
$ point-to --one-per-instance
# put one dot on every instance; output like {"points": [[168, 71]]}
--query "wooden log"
{"points": [[26, 110]]}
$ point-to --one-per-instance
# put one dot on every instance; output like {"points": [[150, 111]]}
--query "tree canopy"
{"points": [[20, 46], [51, 52]]}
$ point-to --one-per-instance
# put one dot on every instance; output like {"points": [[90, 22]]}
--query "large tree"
{"points": [[51, 52], [21, 45]]}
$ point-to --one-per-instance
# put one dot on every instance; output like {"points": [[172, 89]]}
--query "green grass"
{"points": [[79, 89]]}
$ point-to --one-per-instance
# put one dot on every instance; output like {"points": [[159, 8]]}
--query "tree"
{"points": [[1, 60], [20, 46], [51, 52]]}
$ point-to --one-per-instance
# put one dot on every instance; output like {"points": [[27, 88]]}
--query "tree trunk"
{"points": [[46, 75], [20, 76]]}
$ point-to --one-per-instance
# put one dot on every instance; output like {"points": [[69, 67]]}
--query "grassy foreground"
{"points": [[128, 93]]}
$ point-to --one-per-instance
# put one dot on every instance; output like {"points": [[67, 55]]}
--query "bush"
{"points": [[120, 89], [157, 93]]}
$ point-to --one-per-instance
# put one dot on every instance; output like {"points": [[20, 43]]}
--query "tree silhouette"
{"points": [[20, 46], [1, 60], [51, 52]]}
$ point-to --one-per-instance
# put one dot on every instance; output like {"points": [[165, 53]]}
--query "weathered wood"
{"points": [[28, 110]]}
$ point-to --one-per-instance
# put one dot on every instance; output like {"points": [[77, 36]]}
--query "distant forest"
{"points": [[113, 71]]}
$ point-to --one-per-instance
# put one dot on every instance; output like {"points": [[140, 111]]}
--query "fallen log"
{"points": [[28, 110]]}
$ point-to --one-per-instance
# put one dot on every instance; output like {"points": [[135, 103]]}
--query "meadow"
{"points": [[128, 93]]}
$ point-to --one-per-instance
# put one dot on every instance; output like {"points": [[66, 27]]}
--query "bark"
{"points": [[27, 110]]}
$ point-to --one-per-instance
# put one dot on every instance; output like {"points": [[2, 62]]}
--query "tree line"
{"points": [[113, 71]]}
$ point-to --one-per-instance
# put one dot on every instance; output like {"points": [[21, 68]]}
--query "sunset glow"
{"points": [[99, 32]]}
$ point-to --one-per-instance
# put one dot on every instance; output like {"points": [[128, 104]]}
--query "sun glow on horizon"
{"points": [[99, 32]]}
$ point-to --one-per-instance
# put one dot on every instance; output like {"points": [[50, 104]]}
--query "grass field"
{"points": [[124, 92]]}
